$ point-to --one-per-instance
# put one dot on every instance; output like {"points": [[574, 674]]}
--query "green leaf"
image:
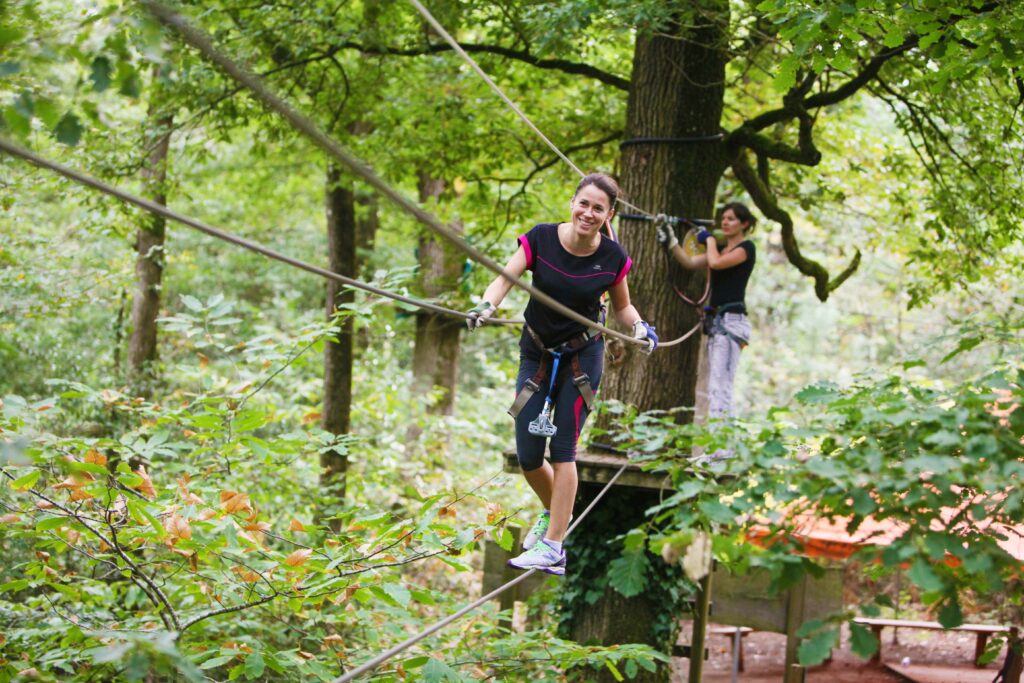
{"points": [[422, 597], [816, 649], [14, 586], [214, 662], [19, 124], [191, 302], [99, 73], [11, 34], [68, 130], [923, 576], [398, 593], [631, 668], [965, 344], [628, 573], [950, 615], [615, 672], [50, 523], [862, 641], [27, 481], [436, 671], [786, 76], [254, 665]]}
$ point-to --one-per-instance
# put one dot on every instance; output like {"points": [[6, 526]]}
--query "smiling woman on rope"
{"points": [[725, 320], [560, 360]]}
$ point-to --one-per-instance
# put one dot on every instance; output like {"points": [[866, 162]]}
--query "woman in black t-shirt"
{"points": [[726, 322], [575, 264]]}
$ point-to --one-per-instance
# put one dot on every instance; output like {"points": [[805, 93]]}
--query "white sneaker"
{"points": [[542, 557]]}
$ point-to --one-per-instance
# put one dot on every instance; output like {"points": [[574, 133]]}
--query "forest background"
{"points": [[166, 507]]}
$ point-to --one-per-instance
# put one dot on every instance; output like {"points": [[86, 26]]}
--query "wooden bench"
{"points": [[731, 631], [982, 631]]}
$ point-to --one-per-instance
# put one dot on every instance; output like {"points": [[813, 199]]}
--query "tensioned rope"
{"points": [[437, 626], [201, 42], [162, 210]]}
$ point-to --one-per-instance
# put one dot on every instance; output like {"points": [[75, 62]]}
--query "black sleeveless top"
{"points": [[729, 285], [575, 281]]}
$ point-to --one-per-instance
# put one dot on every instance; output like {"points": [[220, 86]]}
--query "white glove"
{"points": [[666, 235], [641, 330], [479, 314]]}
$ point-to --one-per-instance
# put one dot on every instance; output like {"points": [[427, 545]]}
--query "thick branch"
{"points": [[562, 65], [766, 148], [765, 201]]}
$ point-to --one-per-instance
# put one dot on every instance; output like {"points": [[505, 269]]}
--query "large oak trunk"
{"points": [[341, 246], [677, 91], [149, 250]]}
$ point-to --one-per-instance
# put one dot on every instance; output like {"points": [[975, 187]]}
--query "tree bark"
{"points": [[341, 247], [677, 91], [435, 359], [149, 249]]}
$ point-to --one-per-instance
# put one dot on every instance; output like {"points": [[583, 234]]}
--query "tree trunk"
{"points": [[435, 359], [149, 249], [677, 91], [341, 247]]}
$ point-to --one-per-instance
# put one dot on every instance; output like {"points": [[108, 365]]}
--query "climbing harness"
{"points": [[549, 361], [714, 320]]}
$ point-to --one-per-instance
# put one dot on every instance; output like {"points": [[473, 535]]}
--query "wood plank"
{"points": [[598, 468], [932, 625], [940, 674]]}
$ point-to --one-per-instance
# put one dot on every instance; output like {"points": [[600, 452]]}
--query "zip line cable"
{"points": [[163, 211], [201, 42], [437, 626]]}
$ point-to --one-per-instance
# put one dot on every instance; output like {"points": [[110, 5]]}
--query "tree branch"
{"points": [[765, 201], [562, 65]]}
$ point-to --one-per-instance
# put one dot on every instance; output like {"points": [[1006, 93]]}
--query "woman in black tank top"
{"points": [[726, 323]]}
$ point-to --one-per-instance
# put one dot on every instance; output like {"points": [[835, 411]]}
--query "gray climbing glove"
{"points": [[479, 314], [665, 234]]}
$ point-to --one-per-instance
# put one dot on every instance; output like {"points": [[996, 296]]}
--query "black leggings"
{"points": [[570, 410]]}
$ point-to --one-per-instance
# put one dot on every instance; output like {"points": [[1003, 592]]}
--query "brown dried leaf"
{"points": [[95, 457], [311, 417], [333, 640], [10, 519], [42, 555], [207, 514], [298, 558], [177, 527], [146, 486], [43, 505], [80, 494], [493, 512], [306, 655], [232, 501], [296, 525], [203, 360]]}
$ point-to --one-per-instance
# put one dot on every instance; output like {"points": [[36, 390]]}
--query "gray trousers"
{"points": [[723, 351]]}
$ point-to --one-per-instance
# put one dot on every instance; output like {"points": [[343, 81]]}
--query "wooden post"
{"points": [[794, 618], [701, 612]]}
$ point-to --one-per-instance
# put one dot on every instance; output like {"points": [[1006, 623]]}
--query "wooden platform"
{"points": [[599, 467], [940, 674]]}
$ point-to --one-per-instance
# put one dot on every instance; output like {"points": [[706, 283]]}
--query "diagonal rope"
{"points": [[501, 93], [163, 211], [201, 42], [437, 626]]}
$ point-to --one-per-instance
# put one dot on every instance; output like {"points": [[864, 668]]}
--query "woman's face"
{"points": [[590, 207], [731, 225]]}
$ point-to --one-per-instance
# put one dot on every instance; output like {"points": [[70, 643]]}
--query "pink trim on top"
{"points": [[625, 269], [526, 247], [577, 277]]}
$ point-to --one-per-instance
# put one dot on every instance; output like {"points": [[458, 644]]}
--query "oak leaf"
{"points": [[177, 527]]}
